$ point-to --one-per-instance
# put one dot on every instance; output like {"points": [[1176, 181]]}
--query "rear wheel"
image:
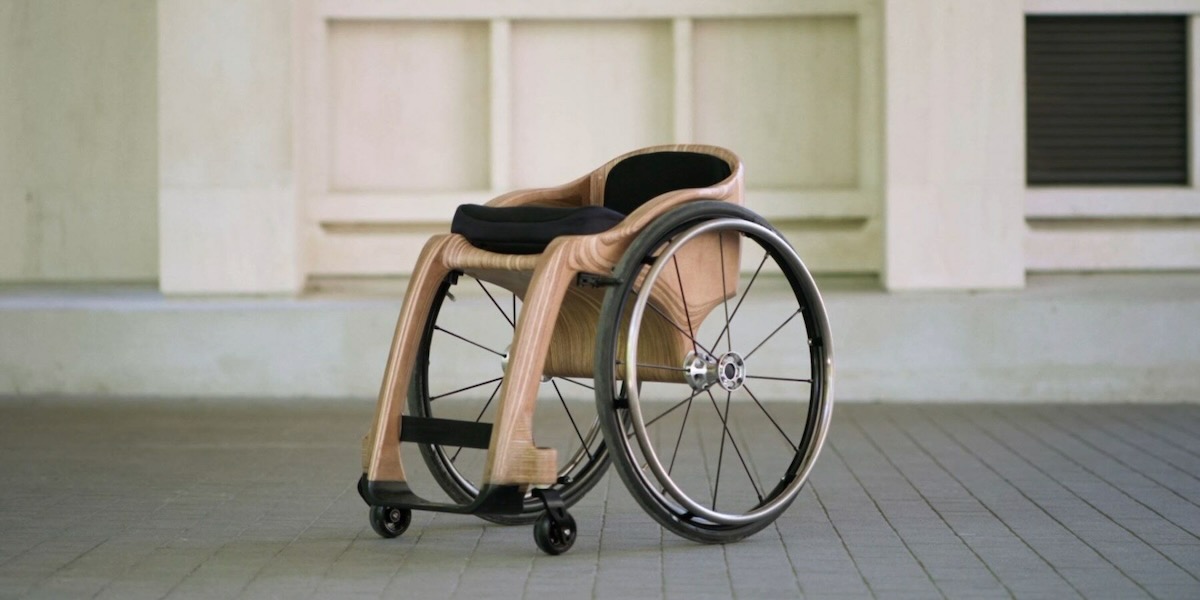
{"points": [[458, 374], [716, 443]]}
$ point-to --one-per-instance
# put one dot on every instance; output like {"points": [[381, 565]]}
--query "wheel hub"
{"points": [[731, 371], [504, 363], [703, 370]]}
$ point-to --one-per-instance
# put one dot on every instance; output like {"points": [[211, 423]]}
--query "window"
{"points": [[1106, 100]]}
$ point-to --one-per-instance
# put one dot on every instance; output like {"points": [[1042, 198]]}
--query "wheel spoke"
{"points": [[463, 389], [677, 326], [778, 378], [479, 417], [584, 385], [571, 418], [721, 452], [770, 418], [724, 294], [760, 344], [737, 306], [691, 331], [695, 342], [733, 443], [493, 299], [653, 366], [476, 344], [683, 423], [665, 412]]}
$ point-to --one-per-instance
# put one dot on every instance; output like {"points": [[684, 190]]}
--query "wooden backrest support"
{"points": [[707, 268], [637, 179]]}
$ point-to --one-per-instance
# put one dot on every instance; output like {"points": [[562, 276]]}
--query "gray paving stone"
{"points": [[196, 499]]}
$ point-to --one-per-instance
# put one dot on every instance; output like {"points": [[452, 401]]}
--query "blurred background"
{"points": [[223, 198]]}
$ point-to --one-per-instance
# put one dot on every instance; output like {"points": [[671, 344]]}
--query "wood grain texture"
{"points": [[381, 447], [513, 458], [555, 332], [576, 193]]}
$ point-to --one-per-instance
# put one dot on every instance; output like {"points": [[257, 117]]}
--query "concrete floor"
{"points": [[204, 499]]}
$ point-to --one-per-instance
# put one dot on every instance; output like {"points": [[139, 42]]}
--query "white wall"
{"points": [[227, 196], [266, 142], [78, 166], [955, 144], [414, 108]]}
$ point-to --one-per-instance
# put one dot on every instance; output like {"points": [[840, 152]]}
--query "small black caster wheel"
{"points": [[554, 536], [390, 522]]}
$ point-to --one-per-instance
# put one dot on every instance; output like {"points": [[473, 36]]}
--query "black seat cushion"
{"points": [[630, 184], [528, 229], [641, 177]]}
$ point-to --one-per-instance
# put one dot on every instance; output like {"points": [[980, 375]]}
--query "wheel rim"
{"points": [[584, 456], [708, 371]]}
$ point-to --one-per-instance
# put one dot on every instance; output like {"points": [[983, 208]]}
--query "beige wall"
{"points": [[78, 158], [955, 149], [226, 146], [414, 108], [226, 150]]}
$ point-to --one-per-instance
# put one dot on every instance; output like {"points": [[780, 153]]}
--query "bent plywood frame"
{"points": [[558, 320]]}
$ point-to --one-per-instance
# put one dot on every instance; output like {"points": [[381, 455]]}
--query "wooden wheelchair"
{"points": [[646, 284]]}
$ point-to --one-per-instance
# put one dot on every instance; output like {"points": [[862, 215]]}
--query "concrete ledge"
{"points": [[1089, 338], [1101, 338]]}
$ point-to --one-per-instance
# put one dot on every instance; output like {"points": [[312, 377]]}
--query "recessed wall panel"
{"points": [[784, 94], [584, 92], [409, 106]]}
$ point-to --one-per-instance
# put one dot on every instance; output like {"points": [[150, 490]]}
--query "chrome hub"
{"points": [[703, 370], [731, 371], [700, 370]]}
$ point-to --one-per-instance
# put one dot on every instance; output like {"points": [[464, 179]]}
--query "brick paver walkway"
{"points": [[182, 499]]}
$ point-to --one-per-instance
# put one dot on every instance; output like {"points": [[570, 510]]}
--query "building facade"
{"points": [[226, 148], [230, 147]]}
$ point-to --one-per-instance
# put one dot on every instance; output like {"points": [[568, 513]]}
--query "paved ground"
{"points": [[141, 499]]}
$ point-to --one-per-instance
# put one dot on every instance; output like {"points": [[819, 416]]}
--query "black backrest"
{"points": [[641, 177]]}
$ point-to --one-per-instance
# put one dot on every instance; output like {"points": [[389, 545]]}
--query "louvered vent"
{"points": [[1107, 100]]}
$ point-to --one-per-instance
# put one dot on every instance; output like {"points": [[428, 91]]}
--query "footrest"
{"points": [[445, 432], [491, 499]]}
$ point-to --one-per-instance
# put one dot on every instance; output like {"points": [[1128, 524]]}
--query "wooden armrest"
{"points": [[576, 193], [648, 212]]}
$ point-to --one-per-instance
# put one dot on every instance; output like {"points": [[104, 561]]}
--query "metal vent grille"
{"points": [[1106, 100]]}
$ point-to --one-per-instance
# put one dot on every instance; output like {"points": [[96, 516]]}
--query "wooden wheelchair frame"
{"points": [[554, 335], [569, 327]]}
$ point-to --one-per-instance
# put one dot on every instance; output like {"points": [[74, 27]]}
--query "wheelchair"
{"points": [[645, 284]]}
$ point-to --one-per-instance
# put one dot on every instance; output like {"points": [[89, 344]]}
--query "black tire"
{"points": [[389, 522], [582, 463], [795, 367], [552, 537]]}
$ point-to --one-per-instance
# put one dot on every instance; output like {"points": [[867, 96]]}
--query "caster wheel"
{"points": [[390, 522], [554, 537]]}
